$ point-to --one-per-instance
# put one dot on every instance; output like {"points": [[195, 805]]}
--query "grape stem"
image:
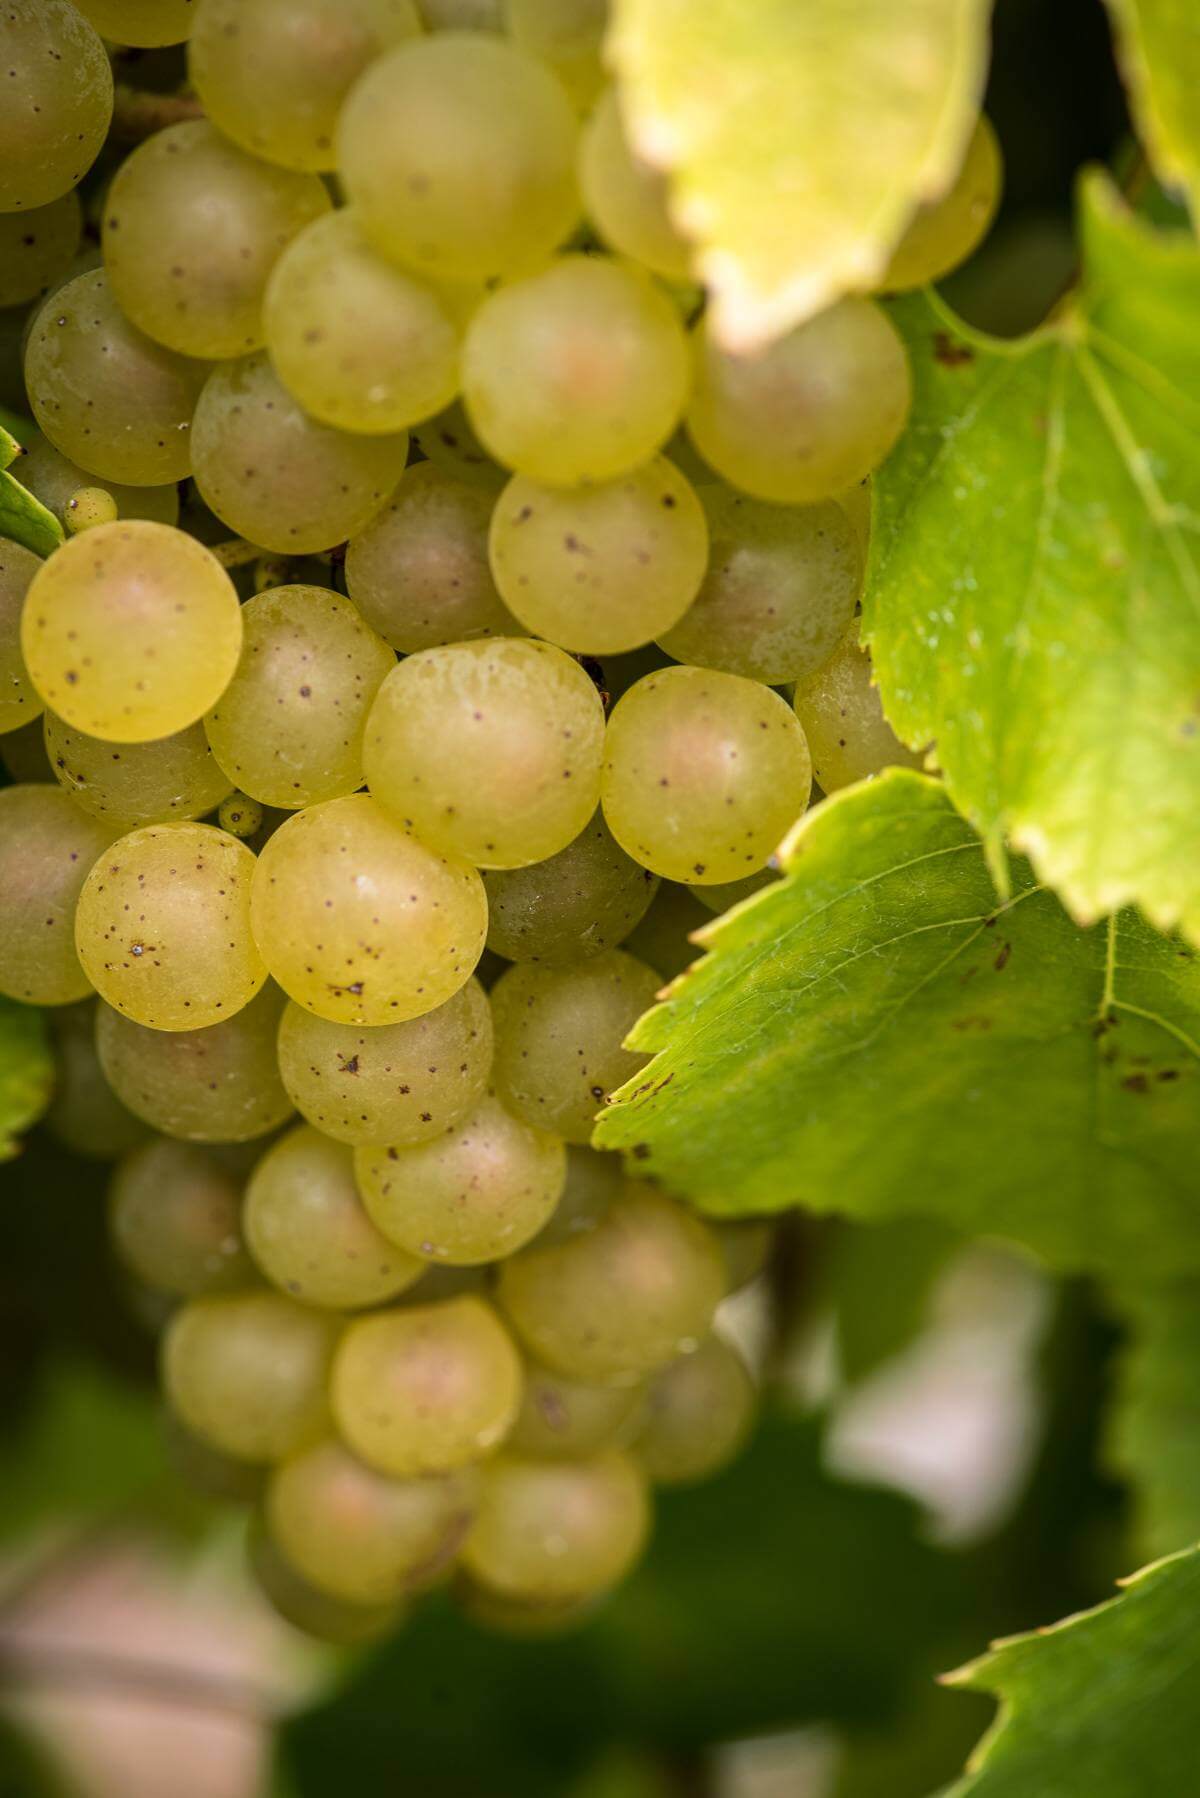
{"points": [[138, 114]]}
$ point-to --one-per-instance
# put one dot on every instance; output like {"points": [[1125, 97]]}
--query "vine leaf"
{"points": [[1103, 1705], [1034, 593], [877, 1035], [1158, 44], [23, 519], [756, 110], [1154, 1427], [26, 1072]]}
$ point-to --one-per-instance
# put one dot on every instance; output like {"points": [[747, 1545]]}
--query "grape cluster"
{"points": [[348, 852]]}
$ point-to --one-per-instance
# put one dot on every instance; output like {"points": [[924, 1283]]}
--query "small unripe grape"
{"points": [[561, 1419], [55, 480], [36, 248], [578, 903], [47, 847], [595, 1178], [391, 1083], [698, 1413], [944, 233], [130, 784], [307, 1607], [145, 23], [358, 921], [248, 1372], [59, 105], [85, 1114], [20, 701], [625, 198], [527, 727], [427, 1388], [89, 507], [175, 1220], [559, 1036], [558, 1529], [840, 710], [163, 926], [241, 816]]}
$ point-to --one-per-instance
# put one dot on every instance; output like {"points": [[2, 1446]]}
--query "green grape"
{"points": [[47, 846], [359, 1535], [106, 396], [426, 1389], [23, 755], [131, 631], [613, 1303], [89, 507], [718, 899], [527, 728], [392, 1083], [449, 441], [288, 729], [583, 900], [745, 1243], [175, 1220], [458, 153], [558, 1529], [460, 15], [578, 373], [163, 926], [810, 415], [361, 923], [205, 1470], [248, 1372], [945, 232], [20, 702], [309, 1233], [856, 504], [279, 477], [704, 774], [144, 23], [273, 73], [129, 784], [240, 816], [698, 1413], [220, 1084], [55, 480], [562, 1419], [472, 1195], [594, 1179], [85, 1115], [559, 1033], [307, 1608], [567, 35], [58, 102], [600, 569], [625, 198], [192, 229], [521, 1619], [36, 248], [842, 718], [663, 938], [358, 342], [419, 572], [782, 585]]}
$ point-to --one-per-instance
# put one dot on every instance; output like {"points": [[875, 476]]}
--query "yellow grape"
{"points": [[562, 1419], [840, 710], [36, 248], [555, 1530], [129, 784], [47, 847], [58, 105], [945, 232], [145, 23], [575, 904], [625, 198]]}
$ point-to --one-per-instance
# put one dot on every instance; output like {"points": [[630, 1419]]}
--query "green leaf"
{"points": [[1158, 45], [1154, 1434], [876, 1035], [1103, 1705], [26, 1071], [23, 519], [1034, 593], [880, 1281], [799, 136]]}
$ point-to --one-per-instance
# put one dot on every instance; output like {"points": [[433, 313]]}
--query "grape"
{"points": [[449, 441], [662, 939], [625, 198], [419, 572], [288, 729], [205, 1470], [55, 480], [562, 1419], [20, 701], [745, 1243], [105, 395], [146, 23], [426, 1389], [36, 247], [247, 1372], [273, 73], [594, 1179], [192, 229], [522, 1619], [58, 101], [458, 153], [600, 569], [612, 1303], [89, 507], [47, 846], [220, 1084], [393, 1083], [781, 588], [240, 816], [361, 923], [840, 711], [703, 774], [315, 1612], [131, 631], [807, 417], [279, 477], [309, 1233], [527, 728], [359, 1535], [565, 34], [460, 15], [470, 1196], [583, 900], [85, 1114], [175, 1220], [163, 926], [558, 1529], [856, 504], [128, 784], [944, 233], [699, 1410], [358, 342], [559, 1033], [576, 374], [718, 899]]}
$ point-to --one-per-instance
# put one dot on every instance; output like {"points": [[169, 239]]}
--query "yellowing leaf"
{"points": [[1158, 43]]}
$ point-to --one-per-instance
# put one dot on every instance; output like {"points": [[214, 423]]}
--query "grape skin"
{"points": [[625, 198], [842, 716], [175, 1220], [562, 1419], [85, 1115], [698, 1413], [54, 479], [944, 233], [47, 846], [36, 248], [575, 904], [20, 702], [145, 23], [131, 784], [58, 101], [557, 1530]]}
